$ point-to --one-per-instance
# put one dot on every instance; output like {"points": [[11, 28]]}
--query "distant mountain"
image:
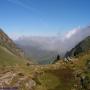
{"points": [[82, 47], [45, 49], [39, 55]]}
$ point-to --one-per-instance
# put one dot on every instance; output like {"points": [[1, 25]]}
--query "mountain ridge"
{"points": [[81, 47], [9, 44]]}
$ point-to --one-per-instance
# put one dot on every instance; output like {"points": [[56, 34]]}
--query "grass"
{"points": [[51, 77], [64, 78], [61, 79], [8, 59]]}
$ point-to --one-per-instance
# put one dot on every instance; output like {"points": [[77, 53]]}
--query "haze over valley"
{"points": [[44, 45], [45, 49]]}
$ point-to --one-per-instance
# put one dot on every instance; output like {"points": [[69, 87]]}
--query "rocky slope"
{"points": [[9, 44], [82, 47], [13, 66]]}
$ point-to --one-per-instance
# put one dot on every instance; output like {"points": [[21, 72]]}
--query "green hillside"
{"points": [[9, 59]]}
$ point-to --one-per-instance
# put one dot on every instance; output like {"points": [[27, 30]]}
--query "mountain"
{"points": [[39, 55], [14, 68], [18, 73], [82, 47], [44, 50], [6, 42], [7, 58], [35, 51], [10, 54]]}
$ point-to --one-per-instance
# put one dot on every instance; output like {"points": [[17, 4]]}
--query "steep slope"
{"points": [[7, 58], [10, 54], [14, 72], [82, 47], [9, 44]]}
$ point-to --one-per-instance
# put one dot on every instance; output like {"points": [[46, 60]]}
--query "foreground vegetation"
{"points": [[63, 75]]}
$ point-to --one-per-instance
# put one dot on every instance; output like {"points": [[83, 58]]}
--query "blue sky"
{"points": [[43, 17]]}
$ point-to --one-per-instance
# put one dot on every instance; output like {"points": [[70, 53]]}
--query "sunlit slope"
{"points": [[9, 59]]}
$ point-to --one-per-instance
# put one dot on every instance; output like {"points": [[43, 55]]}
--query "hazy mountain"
{"points": [[42, 49], [39, 55], [82, 47]]}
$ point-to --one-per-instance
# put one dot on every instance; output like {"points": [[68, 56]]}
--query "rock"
{"points": [[31, 84]]}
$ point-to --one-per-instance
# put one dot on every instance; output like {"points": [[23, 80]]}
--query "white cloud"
{"points": [[70, 39], [71, 33]]}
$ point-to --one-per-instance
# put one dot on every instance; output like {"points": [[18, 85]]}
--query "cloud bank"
{"points": [[56, 43]]}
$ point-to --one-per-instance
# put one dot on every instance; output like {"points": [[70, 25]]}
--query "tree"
{"points": [[57, 58]]}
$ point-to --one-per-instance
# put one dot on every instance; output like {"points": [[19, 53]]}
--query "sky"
{"points": [[43, 17]]}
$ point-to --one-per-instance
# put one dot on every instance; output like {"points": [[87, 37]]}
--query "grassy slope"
{"points": [[10, 65], [47, 77], [8, 59], [61, 79], [64, 77]]}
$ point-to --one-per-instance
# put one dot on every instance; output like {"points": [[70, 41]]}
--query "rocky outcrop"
{"points": [[14, 80]]}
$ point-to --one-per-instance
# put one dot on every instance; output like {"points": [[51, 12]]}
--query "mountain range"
{"points": [[44, 50], [18, 72]]}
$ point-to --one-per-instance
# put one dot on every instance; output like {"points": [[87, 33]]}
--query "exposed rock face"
{"points": [[9, 44], [31, 84], [11, 79]]}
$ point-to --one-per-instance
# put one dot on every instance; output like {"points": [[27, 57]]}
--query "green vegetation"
{"points": [[9, 59], [59, 79], [59, 76]]}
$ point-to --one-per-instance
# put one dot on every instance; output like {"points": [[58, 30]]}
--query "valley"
{"points": [[68, 73], [44, 45]]}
